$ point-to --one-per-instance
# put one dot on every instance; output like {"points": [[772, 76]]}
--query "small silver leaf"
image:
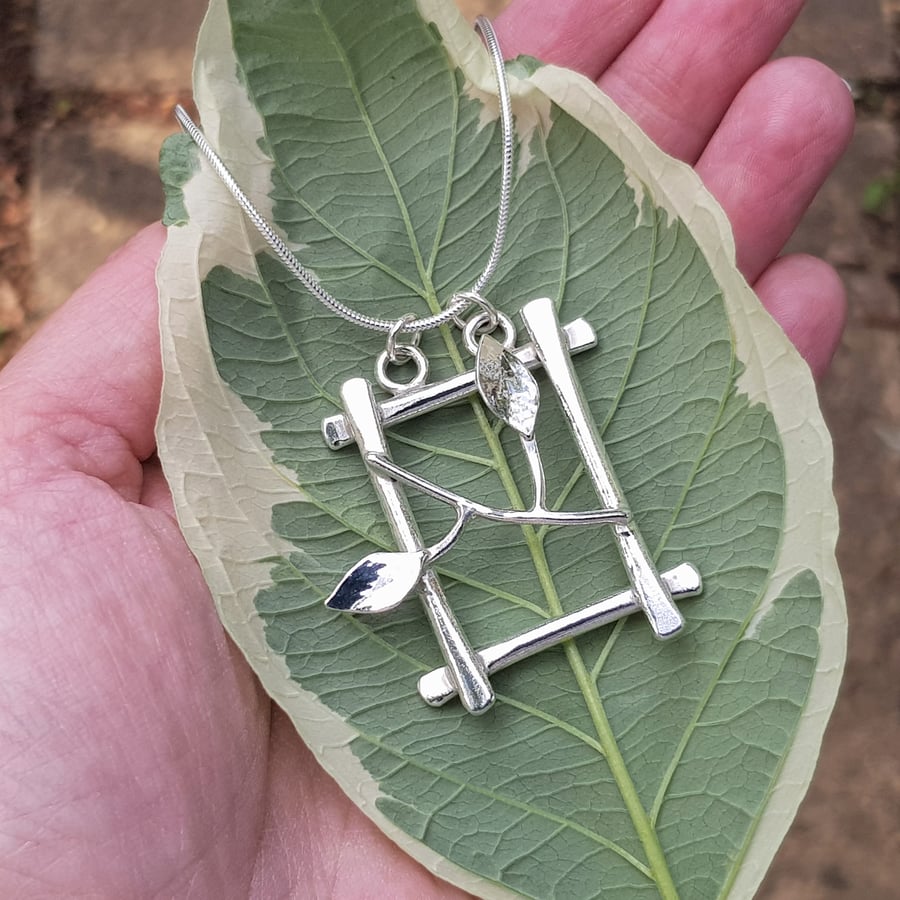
{"points": [[506, 386], [378, 582]]}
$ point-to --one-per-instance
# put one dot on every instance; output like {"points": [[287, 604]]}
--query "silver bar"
{"points": [[436, 687], [543, 327], [579, 336], [465, 667]]}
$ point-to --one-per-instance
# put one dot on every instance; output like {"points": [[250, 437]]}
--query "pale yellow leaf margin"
{"points": [[224, 481]]}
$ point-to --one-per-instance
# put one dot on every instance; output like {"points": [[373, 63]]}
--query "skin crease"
{"points": [[138, 756]]}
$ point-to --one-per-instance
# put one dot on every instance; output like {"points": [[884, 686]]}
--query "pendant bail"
{"points": [[485, 320], [472, 298]]}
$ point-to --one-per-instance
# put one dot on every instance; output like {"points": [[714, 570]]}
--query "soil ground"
{"points": [[86, 92]]}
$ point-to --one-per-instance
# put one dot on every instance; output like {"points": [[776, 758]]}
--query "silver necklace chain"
{"points": [[461, 300]]}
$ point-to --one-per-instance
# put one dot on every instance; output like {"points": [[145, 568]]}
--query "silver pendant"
{"points": [[501, 377]]}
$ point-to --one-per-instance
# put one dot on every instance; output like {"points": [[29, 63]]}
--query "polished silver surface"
{"points": [[403, 354], [483, 24], [538, 479], [485, 322], [511, 393], [461, 300], [379, 582], [436, 687], [506, 387], [536, 515], [579, 335], [544, 329], [467, 671]]}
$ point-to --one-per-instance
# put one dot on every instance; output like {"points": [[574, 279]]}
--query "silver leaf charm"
{"points": [[506, 386], [378, 582]]}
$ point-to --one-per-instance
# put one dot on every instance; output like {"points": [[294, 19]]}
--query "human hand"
{"points": [[762, 135], [139, 756]]}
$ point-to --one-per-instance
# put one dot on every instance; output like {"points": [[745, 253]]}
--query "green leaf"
{"points": [[614, 765], [879, 193], [178, 161]]}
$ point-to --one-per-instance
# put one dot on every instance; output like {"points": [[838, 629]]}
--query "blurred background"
{"points": [[86, 94]]}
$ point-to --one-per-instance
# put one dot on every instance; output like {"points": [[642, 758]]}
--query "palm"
{"points": [[139, 756], [155, 760]]}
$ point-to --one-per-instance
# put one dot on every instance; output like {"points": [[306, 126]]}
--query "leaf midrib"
{"points": [[659, 871], [599, 839], [376, 143]]}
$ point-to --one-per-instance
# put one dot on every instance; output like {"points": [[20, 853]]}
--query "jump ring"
{"points": [[480, 324], [405, 353], [473, 298]]}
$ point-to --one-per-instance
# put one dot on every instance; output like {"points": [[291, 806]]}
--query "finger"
{"points": [[806, 297], [679, 75], [784, 133], [84, 392], [585, 35]]}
